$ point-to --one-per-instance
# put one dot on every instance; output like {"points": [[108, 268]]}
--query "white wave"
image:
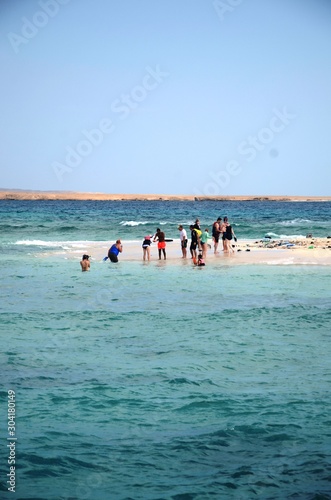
{"points": [[290, 262], [133, 223], [40, 243], [280, 262], [61, 244], [296, 221], [73, 245], [292, 237], [272, 235], [284, 236]]}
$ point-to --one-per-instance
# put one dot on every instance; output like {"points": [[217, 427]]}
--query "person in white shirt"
{"points": [[183, 240]]}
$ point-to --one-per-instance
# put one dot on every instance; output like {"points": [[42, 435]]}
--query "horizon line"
{"points": [[32, 194]]}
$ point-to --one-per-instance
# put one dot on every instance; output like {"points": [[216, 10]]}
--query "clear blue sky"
{"points": [[166, 96]]}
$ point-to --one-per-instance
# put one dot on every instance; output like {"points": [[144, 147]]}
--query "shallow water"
{"points": [[156, 381]]}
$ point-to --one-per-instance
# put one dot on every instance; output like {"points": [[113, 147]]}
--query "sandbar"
{"points": [[303, 252]]}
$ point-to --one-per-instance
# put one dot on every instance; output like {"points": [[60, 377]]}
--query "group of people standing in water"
{"points": [[221, 230], [199, 239]]}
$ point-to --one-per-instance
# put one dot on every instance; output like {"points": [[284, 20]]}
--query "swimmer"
{"points": [[85, 263]]}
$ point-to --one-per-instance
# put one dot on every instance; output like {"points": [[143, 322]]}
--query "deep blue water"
{"points": [[161, 381]]}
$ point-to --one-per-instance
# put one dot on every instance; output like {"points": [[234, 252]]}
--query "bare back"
{"points": [[85, 265]]}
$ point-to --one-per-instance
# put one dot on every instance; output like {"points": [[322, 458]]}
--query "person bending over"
{"points": [[114, 251]]}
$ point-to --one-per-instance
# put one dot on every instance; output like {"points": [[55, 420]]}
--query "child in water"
{"points": [[200, 261]]}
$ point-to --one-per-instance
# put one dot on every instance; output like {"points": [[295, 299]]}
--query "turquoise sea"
{"points": [[158, 381]]}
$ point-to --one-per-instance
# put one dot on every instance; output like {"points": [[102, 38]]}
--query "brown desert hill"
{"points": [[20, 194]]}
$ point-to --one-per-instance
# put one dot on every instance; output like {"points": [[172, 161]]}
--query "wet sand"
{"points": [[245, 252]]}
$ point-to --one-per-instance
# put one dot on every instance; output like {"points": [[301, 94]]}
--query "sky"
{"points": [[194, 97]]}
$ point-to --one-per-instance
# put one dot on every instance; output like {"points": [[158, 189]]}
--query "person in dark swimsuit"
{"points": [[194, 242], [228, 235], [223, 229], [147, 247]]}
